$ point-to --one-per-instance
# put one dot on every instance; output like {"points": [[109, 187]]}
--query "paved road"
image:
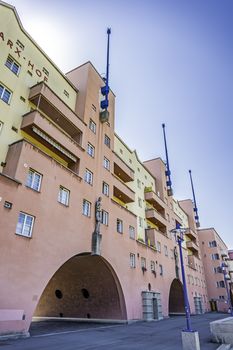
{"points": [[162, 335]]}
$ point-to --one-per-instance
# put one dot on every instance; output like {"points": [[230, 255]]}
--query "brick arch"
{"points": [[176, 298], [85, 286]]}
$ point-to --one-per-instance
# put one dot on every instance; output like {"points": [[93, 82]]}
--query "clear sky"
{"points": [[171, 61]]}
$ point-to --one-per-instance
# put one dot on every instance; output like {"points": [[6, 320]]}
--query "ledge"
{"points": [[11, 178]]}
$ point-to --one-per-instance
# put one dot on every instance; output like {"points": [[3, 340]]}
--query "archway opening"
{"points": [[84, 287], [176, 298]]}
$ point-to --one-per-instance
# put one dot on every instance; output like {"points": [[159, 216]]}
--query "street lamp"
{"points": [[190, 338], [226, 279]]}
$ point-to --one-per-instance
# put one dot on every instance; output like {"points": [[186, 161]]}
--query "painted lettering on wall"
{"points": [[19, 53]]}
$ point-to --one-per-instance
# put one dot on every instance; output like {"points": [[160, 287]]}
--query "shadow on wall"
{"points": [[84, 287]]}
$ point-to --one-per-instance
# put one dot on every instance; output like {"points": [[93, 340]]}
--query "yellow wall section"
{"points": [[11, 115]]}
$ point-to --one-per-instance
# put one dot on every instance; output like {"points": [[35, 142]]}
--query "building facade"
{"points": [[85, 225]]}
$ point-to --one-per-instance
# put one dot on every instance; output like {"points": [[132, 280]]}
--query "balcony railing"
{"points": [[122, 170], [152, 198], [156, 218], [192, 246], [122, 191]]}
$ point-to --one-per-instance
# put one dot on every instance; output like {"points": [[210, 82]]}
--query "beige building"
{"points": [[65, 252], [214, 256]]}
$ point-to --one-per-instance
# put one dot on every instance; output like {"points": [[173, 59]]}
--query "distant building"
{"points": [[85, 225]]}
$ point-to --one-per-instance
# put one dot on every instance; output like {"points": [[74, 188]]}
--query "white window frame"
{"points": [[119, 225], [1, 126], [33, 180], [22, 227], [161, 269], [132, 232], [90, 150], [86, 208], [105, 217], [105, 189], [2, 93], [132, 260], [165, 250], [92, 126], [107, 140], [158, 246], [61, 199], [140, 220], [139, 184], [140, 202], [106, 163], [152, 265], [143, 262], [88, 177], [12, 64]]}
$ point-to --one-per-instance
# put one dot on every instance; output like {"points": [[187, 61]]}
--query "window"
{"points": [[34, 180], [119, 226], [140, 221], [212, 244], [132, 260], [121, 151], [215, 256], [152, 265], [139, 183], [143, 263], [221, 297], [105, 217], [88, 177], [63, 196], [105, 189], [12, 65], [106, 163], [140, 202], [159, 247], [86, 208], [66, 93], [25, 225], [92, 126], [107, 140], [165, 250], [90, 150], [161, 270], [132, 232], [5, 94], [1, 126]]}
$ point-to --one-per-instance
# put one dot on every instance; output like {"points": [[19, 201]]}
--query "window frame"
{"points": [[92, 126], [13, 64], [106, 163], [63, 189], [104, 217], [104, 186], [92, 148], [88, 213], [22, 233], [107, 141], [132, 228], [88, 177], [132, 260], [5, 89], [34, 173], [119, 226]]}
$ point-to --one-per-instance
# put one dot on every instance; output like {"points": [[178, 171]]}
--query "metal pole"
{"points": [[186, 301]]}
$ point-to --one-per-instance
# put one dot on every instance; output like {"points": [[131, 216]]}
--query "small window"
{"points": [[161, 270], [139, 170], [152, 265], [106, 163], [140, 221], [139, 183], [92, 126], [107, 140], [12, 65], [131, 232], [63, 196], [212, 244], [86, 208], [143, 263], [5, 94], [105, 217], [1, 126], [105, 189], [119, 226], [132, 260], [165, 250], [34, 180], [88, 177], [140, 202], [25, 225], [121, 151], [130, 160], [159, 247], [90, 150], [66, 93]]}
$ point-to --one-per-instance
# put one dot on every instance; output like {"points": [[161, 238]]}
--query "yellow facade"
{"points": [[35, 66]]}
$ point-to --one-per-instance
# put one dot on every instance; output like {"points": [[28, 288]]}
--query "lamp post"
{"points": [[190, 338], [223, 269]]}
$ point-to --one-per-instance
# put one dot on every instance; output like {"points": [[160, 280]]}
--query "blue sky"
{"points": [[171, 61]]}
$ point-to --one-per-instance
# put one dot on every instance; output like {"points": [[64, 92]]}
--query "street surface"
{"points": [[162, 335]]}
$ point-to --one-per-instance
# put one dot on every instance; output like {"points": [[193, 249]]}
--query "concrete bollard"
{"points": [[190, 340]]}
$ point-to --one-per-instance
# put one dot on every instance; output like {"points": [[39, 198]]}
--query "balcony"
{"points": [[191, 234], [158, 219], [193, 247], [152, 198], [50, 104], [150, 236], [51, 136], [122, 191], [224, 254], [122, 170]]}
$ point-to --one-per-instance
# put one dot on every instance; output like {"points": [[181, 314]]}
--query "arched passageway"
{"points": [[84, 287], [176, 298]]}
